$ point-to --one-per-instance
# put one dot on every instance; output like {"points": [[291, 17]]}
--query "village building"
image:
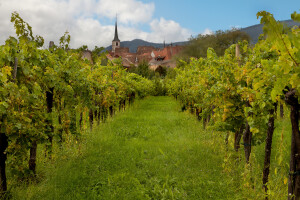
{"points": [[155, 57], [87, 54]]}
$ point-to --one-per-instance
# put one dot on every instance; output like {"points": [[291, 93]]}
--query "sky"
{"points": [[91, 22]]}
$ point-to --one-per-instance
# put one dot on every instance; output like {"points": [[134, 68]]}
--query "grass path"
{"points": [[150, 151]]}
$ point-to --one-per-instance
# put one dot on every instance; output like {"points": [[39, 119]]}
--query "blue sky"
{"points": [[197, 15], [91, 22]]}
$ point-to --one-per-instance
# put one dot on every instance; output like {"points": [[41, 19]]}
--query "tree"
{"points": [[143, 70], [219, 41]]}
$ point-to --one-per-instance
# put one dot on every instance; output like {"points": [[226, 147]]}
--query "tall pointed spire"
{"points": [[116, 30]]}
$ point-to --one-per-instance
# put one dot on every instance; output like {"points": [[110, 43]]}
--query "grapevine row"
{"points": [[45, 93], [238, 93]]}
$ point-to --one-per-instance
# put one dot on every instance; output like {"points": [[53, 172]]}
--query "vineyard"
{"points": [[239, 94], [51, 100], [47, 96]]}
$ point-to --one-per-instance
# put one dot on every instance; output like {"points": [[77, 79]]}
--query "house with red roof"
{"points": [[155, 57]]}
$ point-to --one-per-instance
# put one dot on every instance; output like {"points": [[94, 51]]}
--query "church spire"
{"points": [[116, 31], [116, 41]]}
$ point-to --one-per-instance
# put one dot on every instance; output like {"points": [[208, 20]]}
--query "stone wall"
{"points": [[86, 54]]}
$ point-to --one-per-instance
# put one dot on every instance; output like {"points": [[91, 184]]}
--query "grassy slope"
{"points": [[151, 151]]}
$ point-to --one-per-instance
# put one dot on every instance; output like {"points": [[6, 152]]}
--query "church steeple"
{"points": [[116, 41], [116, 32]]}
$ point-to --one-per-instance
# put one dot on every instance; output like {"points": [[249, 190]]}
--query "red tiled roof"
{"points": [[144, 54]]}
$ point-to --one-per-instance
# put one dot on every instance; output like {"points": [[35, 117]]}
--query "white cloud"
{"points": [[207, 31], [169, 30], [129, 11], [82, 18], [161, 30]]}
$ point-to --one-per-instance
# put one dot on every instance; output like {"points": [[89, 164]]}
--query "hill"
{"points": [[253, 31], [134, 44]]}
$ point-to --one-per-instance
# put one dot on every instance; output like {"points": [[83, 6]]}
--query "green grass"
{"points": [[150, 151], [155, 151]]}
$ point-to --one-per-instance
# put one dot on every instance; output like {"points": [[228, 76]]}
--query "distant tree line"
{"points": [[219, 41]]}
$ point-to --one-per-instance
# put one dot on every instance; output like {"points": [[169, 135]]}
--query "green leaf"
{"points": [[18, 125], [295, 16]]}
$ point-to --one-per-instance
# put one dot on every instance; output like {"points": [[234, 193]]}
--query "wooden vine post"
{"points": [[3, 146], [4, 143], [49, 123], [247, 135], [238, 133], [294, 180], [268, 149]]}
